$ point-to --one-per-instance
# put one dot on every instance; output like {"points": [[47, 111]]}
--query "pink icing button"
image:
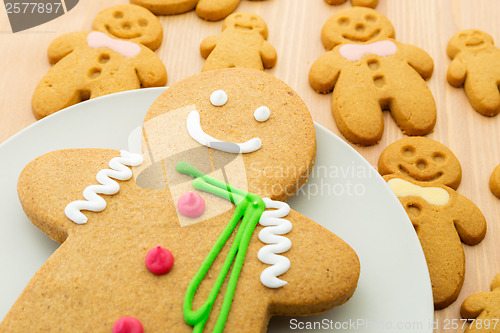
{"points": [[191, 204], [128, 325], [159, 260]]}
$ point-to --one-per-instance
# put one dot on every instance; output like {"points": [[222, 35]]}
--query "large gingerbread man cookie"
{"points": [[210, 10], [364, 3], [197, 234], [370, 72], [92, 64], [420, 172], [484, 308], [475, 65], [242, 43]]}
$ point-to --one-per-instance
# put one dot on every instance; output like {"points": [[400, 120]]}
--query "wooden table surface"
{"points": [[294, 30]]}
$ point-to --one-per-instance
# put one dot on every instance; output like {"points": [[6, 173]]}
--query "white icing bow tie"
{"points": [[354, 52]]}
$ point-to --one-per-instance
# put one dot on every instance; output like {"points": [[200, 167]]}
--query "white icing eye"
{"points": [[218, 98], [262, 113]]}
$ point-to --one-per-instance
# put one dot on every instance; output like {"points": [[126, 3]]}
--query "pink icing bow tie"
{"points": [[354, 52], [97, 39]]}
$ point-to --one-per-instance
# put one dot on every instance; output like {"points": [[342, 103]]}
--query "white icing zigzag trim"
{"points": [[94, 202], [275, 226]]}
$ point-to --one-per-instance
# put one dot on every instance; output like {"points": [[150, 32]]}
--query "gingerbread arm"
{"points": [[365, 3], [474, 305], [150, 69], [324, 73], [208, 45], [469, 221], [268, 54], [65, 44], [52, 181], [457, 72], [417, 58]]}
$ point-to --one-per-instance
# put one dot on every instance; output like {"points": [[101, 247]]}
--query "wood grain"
{"points": [[294, 30]]}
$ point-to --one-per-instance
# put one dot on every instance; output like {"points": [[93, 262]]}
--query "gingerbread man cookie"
{"points": [[369, 72], [132, 23], [421, 159], [210, 10], [242, 43], [475, 65], [92, 64], [150, 255], [484, 308], [442, 218], [364, 3], [495, 182]]}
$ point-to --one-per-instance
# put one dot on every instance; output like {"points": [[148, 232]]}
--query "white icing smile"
{"points": [[197, 133]]}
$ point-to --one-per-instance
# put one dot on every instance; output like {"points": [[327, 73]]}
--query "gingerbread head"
{"points": [[369, 72], [421, 159], [356, 25], [174, 242], [132, 23], [469, 40]]}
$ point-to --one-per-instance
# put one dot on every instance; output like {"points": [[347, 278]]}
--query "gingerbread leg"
{"points": [[414, 110], [483, 96], [215, 10], [358, 116]]}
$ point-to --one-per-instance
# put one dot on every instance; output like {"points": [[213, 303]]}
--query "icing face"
{"points": [[288, 132], [246, 22], [433, 195], [356, 25], [421, 159]]}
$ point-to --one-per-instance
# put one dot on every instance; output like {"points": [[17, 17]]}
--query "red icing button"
{"points": [[159, 260], [128, 325]]}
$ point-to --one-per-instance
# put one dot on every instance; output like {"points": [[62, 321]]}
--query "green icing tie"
{"points": [[249, 208]]}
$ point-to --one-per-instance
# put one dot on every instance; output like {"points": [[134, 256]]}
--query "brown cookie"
{"points": [[369, 72], [210, 10], [364, 3], [484, 308], [495, 182], [132, 23], [475, 65], [242, 43], [421, 159], [442, 219], [227, 125], [92, 64]]}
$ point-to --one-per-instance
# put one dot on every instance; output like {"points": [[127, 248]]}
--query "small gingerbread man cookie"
{"points": [[242, 43], [484, 308], [92, 64], [364, 3], [475, 65], [369, 72], [495, 182], [424, 174], [132, 23], [210, 10], [421, 159]]}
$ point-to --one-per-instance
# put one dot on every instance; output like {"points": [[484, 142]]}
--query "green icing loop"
{"points": [[249, 208]]}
